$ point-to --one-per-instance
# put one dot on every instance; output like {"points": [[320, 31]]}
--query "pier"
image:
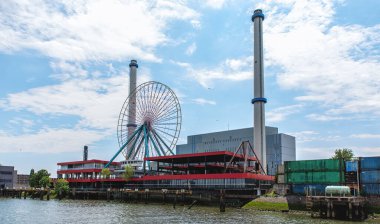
{"points": [[337, 207]]}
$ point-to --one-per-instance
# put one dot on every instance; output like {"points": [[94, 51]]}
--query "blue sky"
{"points": [[64, 72]]}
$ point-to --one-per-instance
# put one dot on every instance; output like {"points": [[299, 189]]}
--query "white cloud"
{"points": [[280, 113], [65, 70], [23, 122], [215, 4], [304, 153], [366, 136], [191, 49], [96, 101], [90, 30], [49, 141], [324, 117], [202, 101], [335, 65], [231, 69], [313, 136]]}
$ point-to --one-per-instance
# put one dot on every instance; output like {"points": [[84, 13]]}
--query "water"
{"points": [[70, 211]]}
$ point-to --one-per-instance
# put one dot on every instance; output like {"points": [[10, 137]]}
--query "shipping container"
{"points": [[314, 165], [311, 189], [370, 163], [280, 169], [371, 189], [370, 177], [281, 179], [351, 177], [351, 166], [326, 177]]}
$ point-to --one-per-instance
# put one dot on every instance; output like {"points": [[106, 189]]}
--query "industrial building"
{"points": [[279, 147], [8, 176], [22, 181]]}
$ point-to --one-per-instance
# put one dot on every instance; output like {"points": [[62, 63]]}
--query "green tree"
{"points": [[106, 172], [44, 181], [39, 179], [62, 186], [345, 154], [129, 172], [32, 178]]}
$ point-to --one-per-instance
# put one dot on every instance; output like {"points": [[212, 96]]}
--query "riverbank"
{"points": [[101, 211], [297, 205]]}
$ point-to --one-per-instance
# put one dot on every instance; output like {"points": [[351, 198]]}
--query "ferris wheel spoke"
{"points": [[166, 94], [158, 100], [166, 119], [167, 103], [165, 111]]}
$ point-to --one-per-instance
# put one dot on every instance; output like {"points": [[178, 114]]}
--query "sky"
{"points": [[64, 72]]}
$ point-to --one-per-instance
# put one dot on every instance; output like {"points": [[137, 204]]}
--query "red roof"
{"points": [[185, 177], [200, 157], [79, 171], [86, 162]]}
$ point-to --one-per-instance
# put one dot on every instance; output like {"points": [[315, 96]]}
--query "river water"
{"points": [[79, 211]]}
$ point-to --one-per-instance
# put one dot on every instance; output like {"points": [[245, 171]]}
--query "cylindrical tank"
{"points": [[338, 190]]}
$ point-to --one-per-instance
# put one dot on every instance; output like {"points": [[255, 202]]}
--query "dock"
{"points": [[337, 207]]}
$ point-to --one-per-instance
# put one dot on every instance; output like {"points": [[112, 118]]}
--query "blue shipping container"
{"points": [[370, 163], [371, 189], [351, 166], [314, 189], [370, 177]]}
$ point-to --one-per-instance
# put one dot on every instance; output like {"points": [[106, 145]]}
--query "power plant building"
{"points": [[279, 147]]}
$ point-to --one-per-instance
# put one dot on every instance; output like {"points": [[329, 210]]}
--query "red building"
{"points": [[209, 170]]}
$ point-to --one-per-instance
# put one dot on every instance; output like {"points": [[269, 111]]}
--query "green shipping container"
{"points": [[314, 165], [325, 177]]}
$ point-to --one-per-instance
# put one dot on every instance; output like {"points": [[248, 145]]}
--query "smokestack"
{"points": [[258, 89], [85, 153], [132, 106]]}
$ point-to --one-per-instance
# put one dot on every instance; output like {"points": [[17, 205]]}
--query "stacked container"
{"points": [[370, 175], [314, 175], [280, 174], [351, 174]]}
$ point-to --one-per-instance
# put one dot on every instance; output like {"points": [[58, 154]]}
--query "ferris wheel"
{"points": [[149, 122]]}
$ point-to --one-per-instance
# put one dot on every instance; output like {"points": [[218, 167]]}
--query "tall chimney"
{"points": [[132, 106], [258, 89], [85, 153]]}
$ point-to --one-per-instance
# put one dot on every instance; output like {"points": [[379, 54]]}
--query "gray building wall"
{"points": [[8, 176], [280, 147]]}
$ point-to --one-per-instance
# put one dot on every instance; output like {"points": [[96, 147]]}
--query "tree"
{"points": [[345, 154], [129, 172], [106, 172], [32, 178], [62, 186], [39, 179], [44, 181]]}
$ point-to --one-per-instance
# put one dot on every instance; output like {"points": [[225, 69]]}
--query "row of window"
{"points": [[6, 181], [224, 140]]}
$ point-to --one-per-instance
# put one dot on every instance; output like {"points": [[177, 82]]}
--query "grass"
{"points": [[269, 206]]}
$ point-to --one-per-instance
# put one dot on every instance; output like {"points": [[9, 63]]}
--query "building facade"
{"points": [[280, 147], [8, 176], [22, 181]]}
